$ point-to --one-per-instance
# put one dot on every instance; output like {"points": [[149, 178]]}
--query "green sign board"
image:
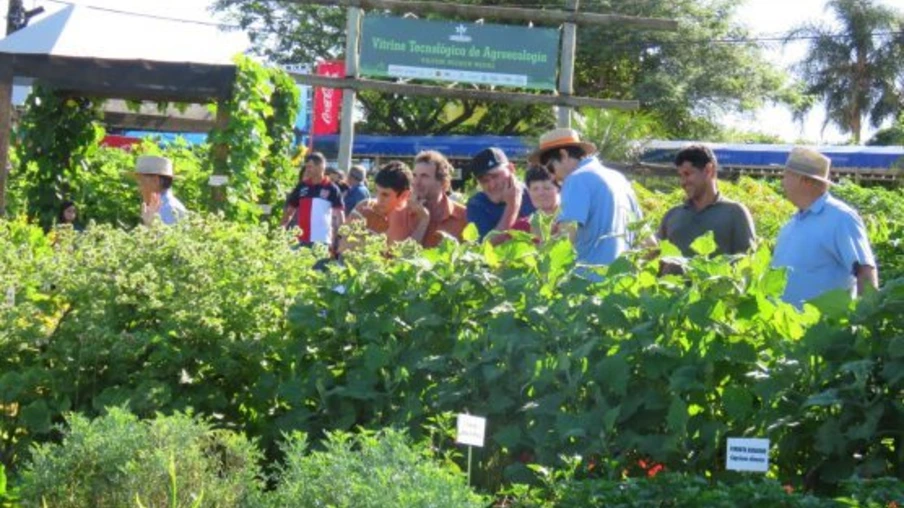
{"points": [[464, 52]]}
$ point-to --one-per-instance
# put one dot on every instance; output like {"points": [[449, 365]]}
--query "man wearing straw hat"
{"points": [[598, 203], [155, 181], [824, 246]]}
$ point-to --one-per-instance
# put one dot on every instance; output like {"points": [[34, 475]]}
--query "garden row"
{"points": [[229, 321]]}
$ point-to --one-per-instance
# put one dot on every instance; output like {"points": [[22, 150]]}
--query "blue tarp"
{"points": [[409, 146], [867, 157]]}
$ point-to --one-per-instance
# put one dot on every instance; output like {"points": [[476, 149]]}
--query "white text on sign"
{"points": [[746, 454], [471, 430]]}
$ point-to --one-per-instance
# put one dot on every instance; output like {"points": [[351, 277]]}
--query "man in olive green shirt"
{"points": [[705, 209]]}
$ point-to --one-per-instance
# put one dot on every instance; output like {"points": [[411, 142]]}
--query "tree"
{"points": [[893, 135], [683, 79], [857, 69]]}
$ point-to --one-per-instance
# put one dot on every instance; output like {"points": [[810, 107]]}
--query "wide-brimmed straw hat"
{"points": [[153, 165], [809, 163], [559, 138]]}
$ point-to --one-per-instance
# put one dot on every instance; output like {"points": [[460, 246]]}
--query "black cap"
{"points": [[487, 160]]}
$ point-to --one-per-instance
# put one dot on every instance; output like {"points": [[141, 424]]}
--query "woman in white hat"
{"points": [[155, 180]]}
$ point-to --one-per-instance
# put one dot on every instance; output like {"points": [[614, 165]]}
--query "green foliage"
{"points": [[367, 470], [162, 319], [118, 460], [9, 496], [618, 135], [278, 167], [57, 135], [893, 135], [230, 321], [257, 138], [562, 489], [104, 191]]}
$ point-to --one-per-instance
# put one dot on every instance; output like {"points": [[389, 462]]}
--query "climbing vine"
{"points": [[258, 138], [57, 134]]}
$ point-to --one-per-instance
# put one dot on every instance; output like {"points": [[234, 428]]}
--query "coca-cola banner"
{"points": [[327, 101]]}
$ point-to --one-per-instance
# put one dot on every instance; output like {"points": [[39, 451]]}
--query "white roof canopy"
{"points": [[90, 32]]}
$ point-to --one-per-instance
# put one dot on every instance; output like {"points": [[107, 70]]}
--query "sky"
{"points": [[763, 17]]}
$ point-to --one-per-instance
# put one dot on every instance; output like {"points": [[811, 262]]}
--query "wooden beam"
{"points": [[566, 65], [539, 16], [465, 94], [6, 110]]}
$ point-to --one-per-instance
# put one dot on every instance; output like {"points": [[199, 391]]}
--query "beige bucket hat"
{"points": [[153, 165], [809, 163]]}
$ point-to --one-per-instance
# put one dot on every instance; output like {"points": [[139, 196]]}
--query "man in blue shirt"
{"points": [[357, 189], [824, 246], [598, 203], [503, 199]]}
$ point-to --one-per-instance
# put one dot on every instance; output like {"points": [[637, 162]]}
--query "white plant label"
{"points": [[747, 454], [471, 430], [11, 296], [217, 180], [266, 209]]}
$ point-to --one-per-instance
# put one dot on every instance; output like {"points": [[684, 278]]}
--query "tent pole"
{"points": [[6, 110]]}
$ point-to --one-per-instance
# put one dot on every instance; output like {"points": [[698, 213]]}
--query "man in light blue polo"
{"points": [[824, 246], [598, 203]]}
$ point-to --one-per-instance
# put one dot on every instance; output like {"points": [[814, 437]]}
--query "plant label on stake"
{"points": [[747, 454], [471, 430], [11, 296]]}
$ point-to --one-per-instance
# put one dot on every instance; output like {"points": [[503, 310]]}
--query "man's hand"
{"points": [[420, 211], [512, 193], [150, 210]]}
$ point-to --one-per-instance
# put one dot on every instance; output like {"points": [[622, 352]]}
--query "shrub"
{"points": [[117, 460], [367, 470], [562, 490], [162, 319]]}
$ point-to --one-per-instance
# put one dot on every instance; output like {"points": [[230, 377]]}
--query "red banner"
{"points": [[328, 101]]}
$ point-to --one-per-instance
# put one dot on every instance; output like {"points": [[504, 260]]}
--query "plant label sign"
{"points": [[745, 454], [471, 430], [217, 180], [11, 296]]}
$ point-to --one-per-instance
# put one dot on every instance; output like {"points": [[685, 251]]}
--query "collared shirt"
{"points": [[452, 221], [171, 209], [486, 214], [355, 195], [397, 226], [730, 222], [602, 203], [821, 247], [315, 202]]}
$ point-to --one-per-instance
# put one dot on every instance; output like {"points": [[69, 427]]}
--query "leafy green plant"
{"points": [[9, 496], [162, 319], [57, 135], [258, 138], [365, 470], [117, 460]]}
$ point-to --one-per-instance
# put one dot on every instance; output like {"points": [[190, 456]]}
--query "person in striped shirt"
{"points": [[316, 203]]}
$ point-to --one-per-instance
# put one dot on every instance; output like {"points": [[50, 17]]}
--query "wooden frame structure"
{"points": [[139, 78]]}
